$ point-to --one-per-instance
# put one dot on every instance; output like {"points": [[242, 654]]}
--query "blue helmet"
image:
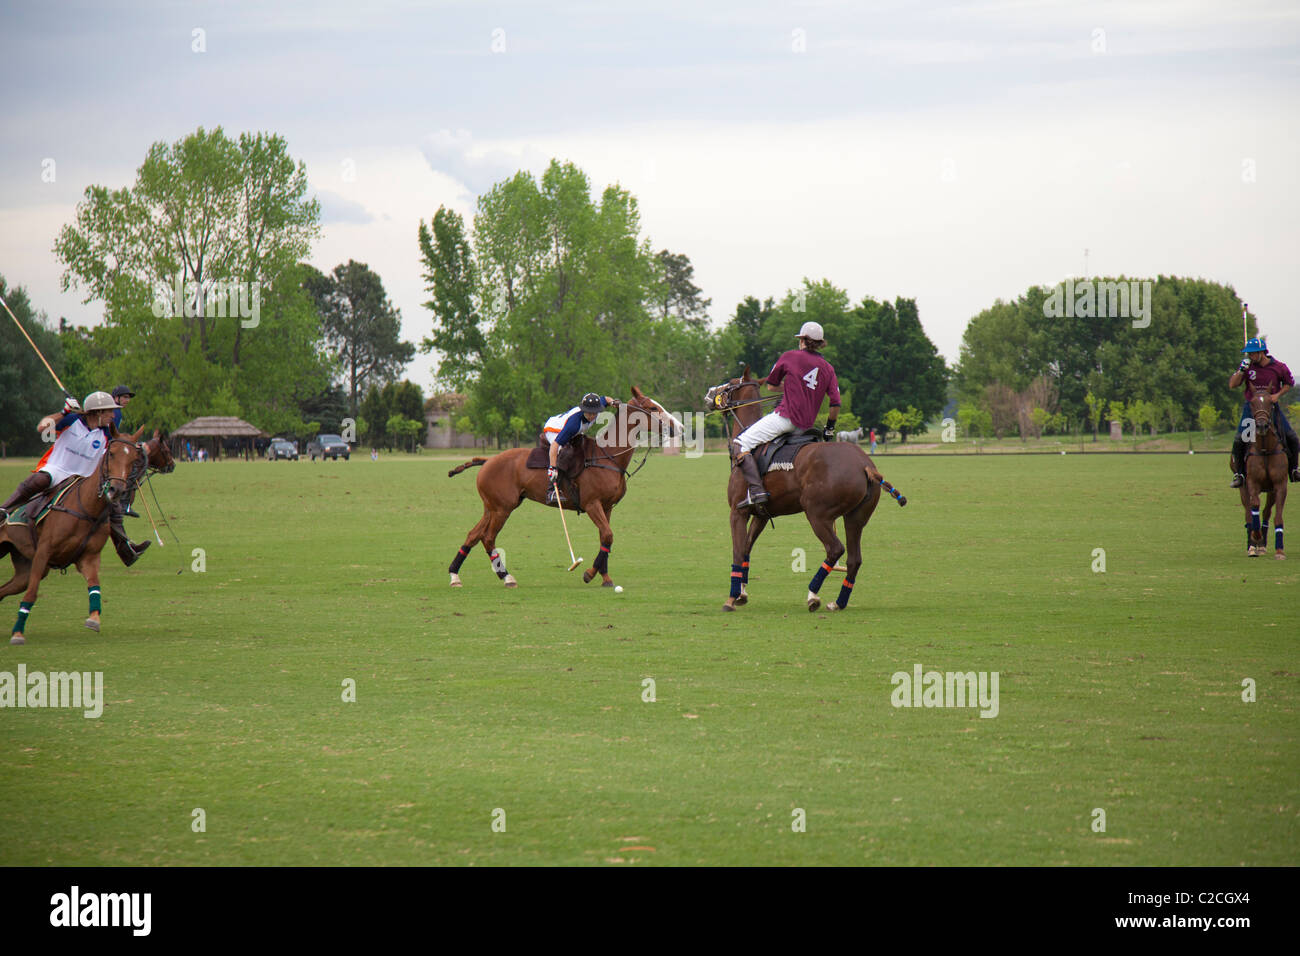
{"points": [[1255, 345]]}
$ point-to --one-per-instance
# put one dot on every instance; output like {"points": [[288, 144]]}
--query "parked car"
{"points": [[328, 446], [281, 448]]}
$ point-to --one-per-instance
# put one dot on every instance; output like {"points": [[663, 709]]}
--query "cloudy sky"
{"points": [[950, 152]]}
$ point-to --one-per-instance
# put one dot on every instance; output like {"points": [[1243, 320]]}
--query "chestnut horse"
{"points": [[829, 480], [75, 530], [506, 481], [1265, 469]]}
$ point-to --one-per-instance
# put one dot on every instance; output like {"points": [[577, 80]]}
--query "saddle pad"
{"points": [[779, 455], [571, 460], [43, 502]]}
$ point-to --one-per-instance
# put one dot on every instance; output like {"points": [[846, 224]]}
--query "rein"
{"points": [[130, 484], [626, 471]]}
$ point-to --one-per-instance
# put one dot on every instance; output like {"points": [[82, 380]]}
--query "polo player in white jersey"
{"points": [[82, 442]]}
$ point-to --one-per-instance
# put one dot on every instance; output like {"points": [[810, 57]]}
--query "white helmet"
{"points": [[811, 330], [99, 402]]}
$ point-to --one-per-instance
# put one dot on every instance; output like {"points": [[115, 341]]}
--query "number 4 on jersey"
{"points": [[811, 380]]}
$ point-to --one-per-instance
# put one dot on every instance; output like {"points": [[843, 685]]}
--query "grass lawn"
{"points": [[1120, 691]]}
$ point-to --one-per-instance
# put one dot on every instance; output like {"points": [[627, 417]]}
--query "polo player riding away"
{"points": [[1260, 372], [804, 379]]}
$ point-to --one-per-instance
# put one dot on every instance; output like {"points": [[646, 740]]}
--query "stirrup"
{"points": [[1237, 481], [751, 501]]}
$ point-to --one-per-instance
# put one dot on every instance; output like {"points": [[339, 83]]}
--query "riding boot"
{"points": [[1238, 463], [31, 485], [128, 552], [749, 469], [1293, 455]]}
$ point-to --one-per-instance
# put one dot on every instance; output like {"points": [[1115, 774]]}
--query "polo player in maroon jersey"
{"points": [[804, 379]]}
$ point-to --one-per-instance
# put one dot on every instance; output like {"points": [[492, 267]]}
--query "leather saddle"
{"points": [[781, 450], [570, 463]]}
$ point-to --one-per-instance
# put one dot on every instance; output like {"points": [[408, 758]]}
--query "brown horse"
{"points": [[830, 480], [1265, 473], [75, 530], [506, 482]]}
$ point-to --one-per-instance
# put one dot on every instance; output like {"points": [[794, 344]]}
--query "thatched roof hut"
{"points": [[219, 426], [214, 431]]}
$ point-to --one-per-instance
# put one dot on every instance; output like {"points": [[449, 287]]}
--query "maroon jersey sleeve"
{"points": [[1284, 373], [775, 376]]}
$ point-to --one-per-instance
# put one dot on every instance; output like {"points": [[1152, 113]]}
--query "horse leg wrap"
{"points": [[819, 577], [744, 570], [846, 592], [1277, 538], [94, 598], [457, 561], [24, 609], [1254, 520], [601, 563], [1263, 531], [737, 577], [499, 565]]}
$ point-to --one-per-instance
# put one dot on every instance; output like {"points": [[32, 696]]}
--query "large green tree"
{"points": [[1178, 358], [452, 280], [196, 265], [361, 325], [889, 362]]}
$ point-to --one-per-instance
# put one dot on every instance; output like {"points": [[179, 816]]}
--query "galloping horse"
{"points": [[76, 527], [829, 480], [506, 481], [1265, 472]]}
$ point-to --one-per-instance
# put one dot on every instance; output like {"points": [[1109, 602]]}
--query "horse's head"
{"points": [[738, 395], [123, 467], [159, 454], [1261, 409], [641, 413]]}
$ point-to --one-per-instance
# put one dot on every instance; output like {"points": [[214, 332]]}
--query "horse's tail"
{"points": [[472, 463], [876, 476]]}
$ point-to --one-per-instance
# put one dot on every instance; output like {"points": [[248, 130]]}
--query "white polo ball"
{"points": [[618, 589]]}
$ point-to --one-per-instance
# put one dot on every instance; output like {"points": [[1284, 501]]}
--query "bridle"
{"points": [[1264, 427], [630, 451], [719, 397]]}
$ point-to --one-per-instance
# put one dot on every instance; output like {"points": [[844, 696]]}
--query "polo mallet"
{"points": [[1244, 336], [34, 348], [560, 501]]}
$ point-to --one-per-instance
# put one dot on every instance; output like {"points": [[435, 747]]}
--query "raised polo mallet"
{"points": [[560, 501]]}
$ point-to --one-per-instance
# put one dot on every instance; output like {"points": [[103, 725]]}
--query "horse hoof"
{"points": [[92, 624], [509, 581], [729, 605], [607, 584], [814, 602], [1280, 556], [17, 639], [455, 581], [588, 575], [743, 599], [832, 606]]}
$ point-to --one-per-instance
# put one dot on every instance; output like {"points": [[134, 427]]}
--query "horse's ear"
{"points": [[745, 374], [636, 392], [138, 432], [157, 434]]}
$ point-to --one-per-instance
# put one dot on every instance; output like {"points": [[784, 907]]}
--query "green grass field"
{"points": [[1119, 690]]}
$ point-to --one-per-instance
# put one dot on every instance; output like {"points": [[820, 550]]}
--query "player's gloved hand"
{"points": [[828, 433], [71, 405], [552, 474], [1245, 364]]}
